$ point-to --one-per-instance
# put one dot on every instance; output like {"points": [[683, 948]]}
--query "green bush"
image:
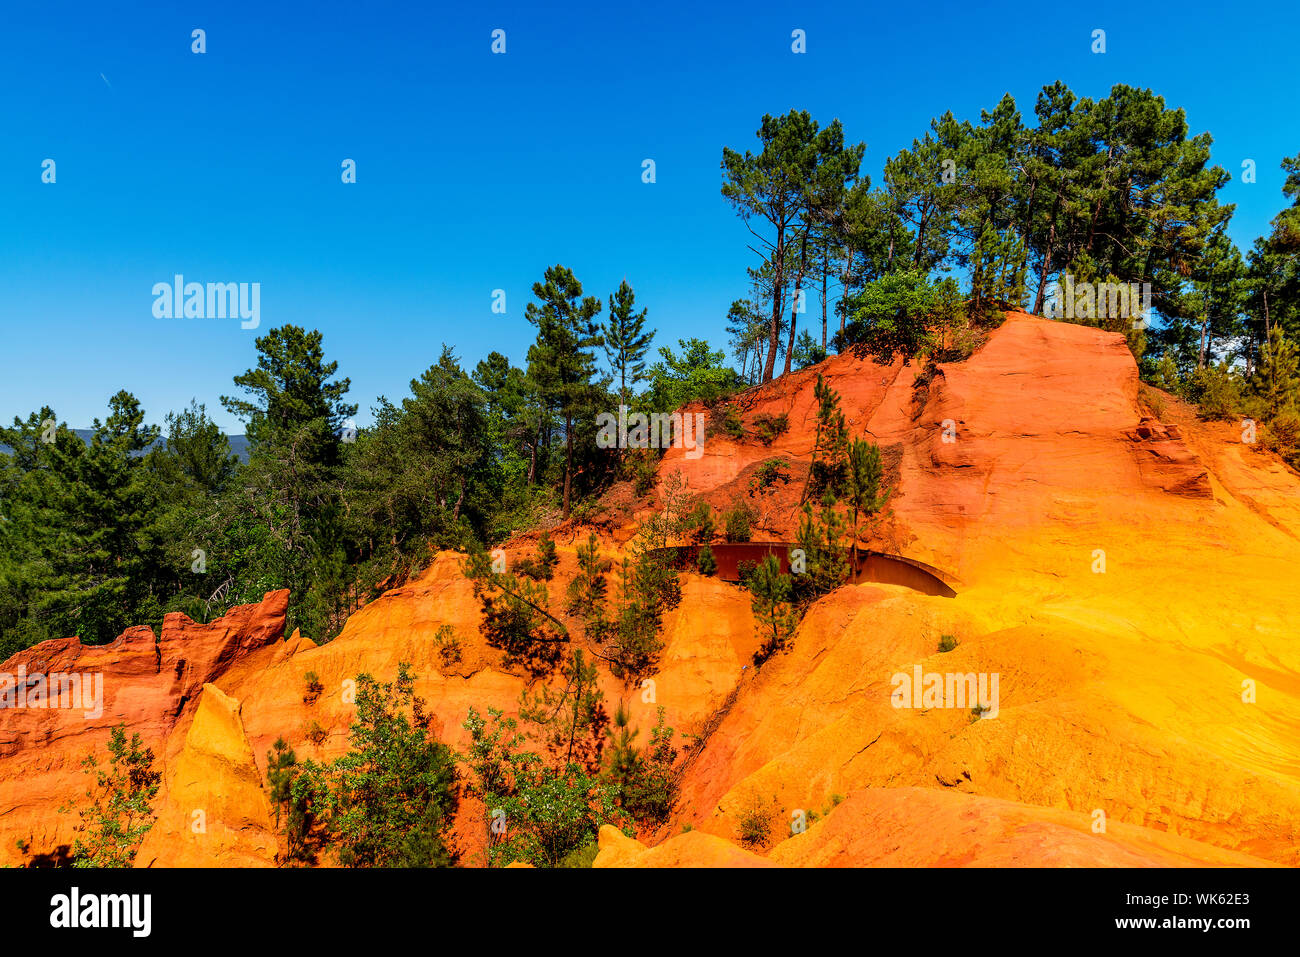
{"points": [[767, 426], [1217, 391], [947, 643], [754, 822], [705, 562], [699, 524], [389, 801], [542, 566], [729, 423], [448, 643], [550, 814], [118, 814], [768, 474], [1282, 436], [745, 569], [581, 857], [643, 465], [737, 522]]}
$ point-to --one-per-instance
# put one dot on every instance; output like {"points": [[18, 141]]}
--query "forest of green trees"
{"points": [[971, 220]]}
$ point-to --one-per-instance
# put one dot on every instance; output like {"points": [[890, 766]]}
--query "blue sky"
{"points": [[476, 171]]}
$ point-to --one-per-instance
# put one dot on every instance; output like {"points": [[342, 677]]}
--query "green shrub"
{"points": [[1164, 374], [745, 569], [314, 733], [699, 524], [767, 426], [730, 423], [550, 814], [737, 522], [118, 814], [314, 687], [448, 643], [390, 800], [775, 618], [947, 643], [1282, 436], [581, 857], [1216, 390], [542, 566], [705, 562], [643, 464], [768, 474], [754, 822]]}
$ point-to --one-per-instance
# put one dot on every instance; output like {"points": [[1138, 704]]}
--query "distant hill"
{"points": [[238, 443]]}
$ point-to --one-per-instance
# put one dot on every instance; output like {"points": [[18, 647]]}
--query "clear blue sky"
{"points": [[477, 171]]}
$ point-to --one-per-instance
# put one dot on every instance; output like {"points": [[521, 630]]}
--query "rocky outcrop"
{"points": [[1125, 578], [213, 810], [148, 685]]}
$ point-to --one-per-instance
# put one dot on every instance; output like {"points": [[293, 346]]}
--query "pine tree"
{"points": [[1277, 378], [571, 720], [789, 184], [774, 617], [561, 361], [830, 443], [820, 537], [863, 480], [626, 342]]}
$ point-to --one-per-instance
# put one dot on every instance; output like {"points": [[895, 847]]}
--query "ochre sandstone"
{"points": [[1128, 575]]}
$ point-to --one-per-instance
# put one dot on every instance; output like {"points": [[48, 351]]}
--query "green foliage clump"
{"points": [[649, 587], [830, 443], [1217, 391], [388, 802], [729, 423], [313, 687], [947, 643], [821, 539], [768, 474], [768, 427], [699, 373], [516, 618], [449, 647], [699, 524], [864, 489], [643, 465], [896, 314], [541, 567], [737, 522], [587, 591], [569, 721], [646, 784], [117, 814], [775, 617], [754, 822], [536, 813], [705, 562]]}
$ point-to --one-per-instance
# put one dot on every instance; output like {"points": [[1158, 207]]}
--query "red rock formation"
{"points": [[1125, 577], [149, 685]]}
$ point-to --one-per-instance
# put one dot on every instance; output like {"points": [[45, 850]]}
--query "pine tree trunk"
{"points": [[778, 268], [568, 463], [826, 268], [794, 307], [1047, 259]]}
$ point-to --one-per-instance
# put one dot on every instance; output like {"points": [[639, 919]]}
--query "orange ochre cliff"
{"points": [[1128, 577]]}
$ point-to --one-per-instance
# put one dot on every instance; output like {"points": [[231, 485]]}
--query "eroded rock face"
{"points": [[1126, 579], [149, 685], [1126, 612], [966, 831], [213, 810]]}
